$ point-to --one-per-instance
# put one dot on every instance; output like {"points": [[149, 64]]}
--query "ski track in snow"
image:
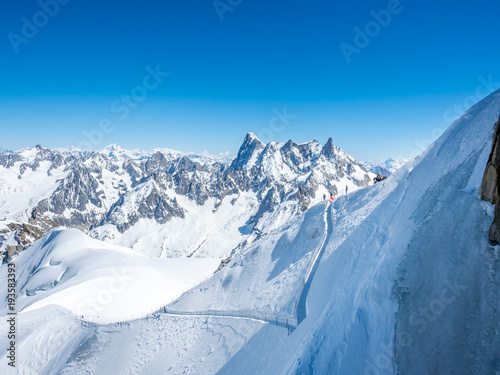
{"points": [[302, 304], [279, 320]]}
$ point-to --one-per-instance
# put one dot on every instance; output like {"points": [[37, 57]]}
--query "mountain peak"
{"points": [[251, 145], [328, 149], [112, 148], [251, 137], [288, 145]]}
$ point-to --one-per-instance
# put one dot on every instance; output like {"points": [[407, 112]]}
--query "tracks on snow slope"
{"points": [[289, 322], [311, 271]]}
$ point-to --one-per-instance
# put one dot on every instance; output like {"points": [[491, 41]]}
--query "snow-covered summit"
{"points": [[248, 152], [116, 153]]}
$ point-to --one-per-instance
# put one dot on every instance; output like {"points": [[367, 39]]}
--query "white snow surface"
{"points": [[203, 232], [99, 281], [408, 283], [19, 196]]}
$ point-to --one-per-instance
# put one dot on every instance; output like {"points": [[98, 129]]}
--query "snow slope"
{"points": [[63, 267], [409, 283], [267, 276], [98, 281]]}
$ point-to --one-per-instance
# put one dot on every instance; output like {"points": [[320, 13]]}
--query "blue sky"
{"points": [[275, 68]]}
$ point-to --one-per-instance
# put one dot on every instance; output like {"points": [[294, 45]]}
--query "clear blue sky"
{"points": [[228, 77]]}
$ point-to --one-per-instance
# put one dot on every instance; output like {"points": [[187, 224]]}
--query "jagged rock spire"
{"points": [[251, 144], [328, 149]]}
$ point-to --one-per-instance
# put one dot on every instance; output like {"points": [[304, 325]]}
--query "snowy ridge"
{"points": [[76, 272], [319, 248], [392, 267]]}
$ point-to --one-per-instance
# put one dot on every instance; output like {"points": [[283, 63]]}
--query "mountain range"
{"points": [[166, 203]]}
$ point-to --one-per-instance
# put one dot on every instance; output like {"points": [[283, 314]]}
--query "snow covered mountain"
{"points": [[399, 278], [165, 203], [384, 167]]}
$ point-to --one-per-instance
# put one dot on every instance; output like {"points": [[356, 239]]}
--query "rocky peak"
{"points": [[288, 146], [43, 153], [187, 165], [329, 149], [251, 145], [8, 160], [158, 162], [490, 186], [98, 191], [32, 157]]}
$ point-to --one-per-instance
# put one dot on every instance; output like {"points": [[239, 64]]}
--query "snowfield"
{"points": [[98, 281], [203, 232], [407, 283], [19, 196]]}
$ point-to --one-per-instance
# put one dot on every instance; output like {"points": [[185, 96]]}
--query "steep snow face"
{"points": [[266, 277]]}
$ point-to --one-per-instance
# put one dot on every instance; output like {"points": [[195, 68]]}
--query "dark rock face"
{"points": [[490, 186], [76, 191], [155, 205], [26, 233], [329, 148], [8, 160], [157, 163]]}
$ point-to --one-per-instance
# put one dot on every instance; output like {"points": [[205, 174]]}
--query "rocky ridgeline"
{"points": [[116, 188]]}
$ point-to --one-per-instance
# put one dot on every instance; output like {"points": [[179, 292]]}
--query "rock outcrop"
{"points": [[490, 185]]}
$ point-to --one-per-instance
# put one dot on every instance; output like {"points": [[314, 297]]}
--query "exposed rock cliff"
{"points": [[490, 184]]}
